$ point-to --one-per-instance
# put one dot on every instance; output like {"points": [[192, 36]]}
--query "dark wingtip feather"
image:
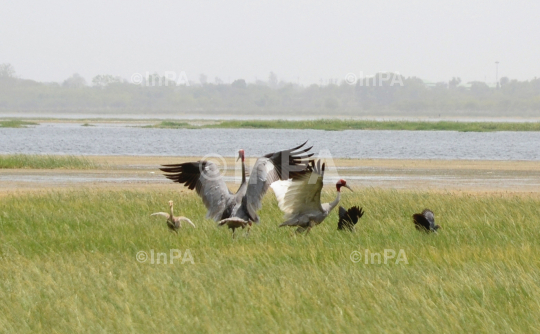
{"points": [[349, 218]]}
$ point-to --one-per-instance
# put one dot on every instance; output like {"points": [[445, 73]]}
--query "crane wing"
{"points": [[164, 214], [302, 193], [205, 178], [271, 168], [185, 219]]}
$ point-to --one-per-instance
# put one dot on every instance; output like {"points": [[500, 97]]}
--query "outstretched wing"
{"points": [[184, 219], [349, 218], [355, 213], [164, 214], [205, 178], [302, 193], [271, 168]]}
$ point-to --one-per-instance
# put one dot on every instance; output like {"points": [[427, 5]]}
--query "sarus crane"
{"points": [[300, 197], [174, 223], [425, 221], [239, 209]]}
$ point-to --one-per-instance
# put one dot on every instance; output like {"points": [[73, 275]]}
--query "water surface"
{"points": [[72, 138]]}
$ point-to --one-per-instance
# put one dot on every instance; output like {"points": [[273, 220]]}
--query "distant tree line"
{"points": [[382, 94]]}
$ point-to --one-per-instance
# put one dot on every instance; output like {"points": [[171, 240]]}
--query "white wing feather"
{"points": [[299, 196]]}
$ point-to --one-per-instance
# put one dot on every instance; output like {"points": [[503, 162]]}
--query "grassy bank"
{"points": [[337, 125], [68, 264], [45, 161], [171, 125], [15, 124]]}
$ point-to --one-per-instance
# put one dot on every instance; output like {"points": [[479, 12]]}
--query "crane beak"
{"points": [[239, 156], [346, 186]]}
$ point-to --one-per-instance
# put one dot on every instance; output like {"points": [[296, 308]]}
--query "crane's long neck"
{"points": [[243, 186], [243, 171], [172, 215], [335, 202]]}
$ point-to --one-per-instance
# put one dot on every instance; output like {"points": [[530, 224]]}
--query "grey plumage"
{"points": [[233, 223], [204, 177]]}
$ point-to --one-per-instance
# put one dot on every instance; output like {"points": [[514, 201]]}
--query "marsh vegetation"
{"points": [[37, 161], [338, 125], [15, 124], [69, 264]]}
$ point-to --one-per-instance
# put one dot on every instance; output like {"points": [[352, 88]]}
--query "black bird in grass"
{"points": [[425, 221], [349, 218]]}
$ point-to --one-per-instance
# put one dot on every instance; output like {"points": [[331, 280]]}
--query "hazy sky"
{"points": [[309, 40]]}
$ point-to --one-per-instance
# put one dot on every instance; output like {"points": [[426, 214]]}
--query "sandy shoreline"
{"points": [[141, 172], [340, 162]]}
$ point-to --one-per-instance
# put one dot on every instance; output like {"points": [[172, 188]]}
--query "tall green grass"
{"points": [[15, 124], [67, 264], [45, 161]]}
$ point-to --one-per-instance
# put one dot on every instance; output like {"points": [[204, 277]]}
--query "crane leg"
{"points": [[300, 229], [311, 224]]}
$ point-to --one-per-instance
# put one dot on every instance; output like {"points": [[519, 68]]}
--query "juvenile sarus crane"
{"points": [[300, 198], [174, 223], [349, 218], [425, 221], [239, 209]]}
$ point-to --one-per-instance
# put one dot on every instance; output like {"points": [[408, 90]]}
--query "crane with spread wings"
{"points": [[240, 208], [300, 197]]}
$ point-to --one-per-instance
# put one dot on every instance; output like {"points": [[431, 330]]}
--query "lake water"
{"points": [[72, 138]]}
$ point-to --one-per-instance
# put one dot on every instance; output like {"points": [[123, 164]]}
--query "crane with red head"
{"points": [[237, 209], [300, 197]]}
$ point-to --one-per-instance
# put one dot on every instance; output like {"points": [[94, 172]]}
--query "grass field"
{"points": [[46, 161], [15, 124], [68, 264], [337, 125]]}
